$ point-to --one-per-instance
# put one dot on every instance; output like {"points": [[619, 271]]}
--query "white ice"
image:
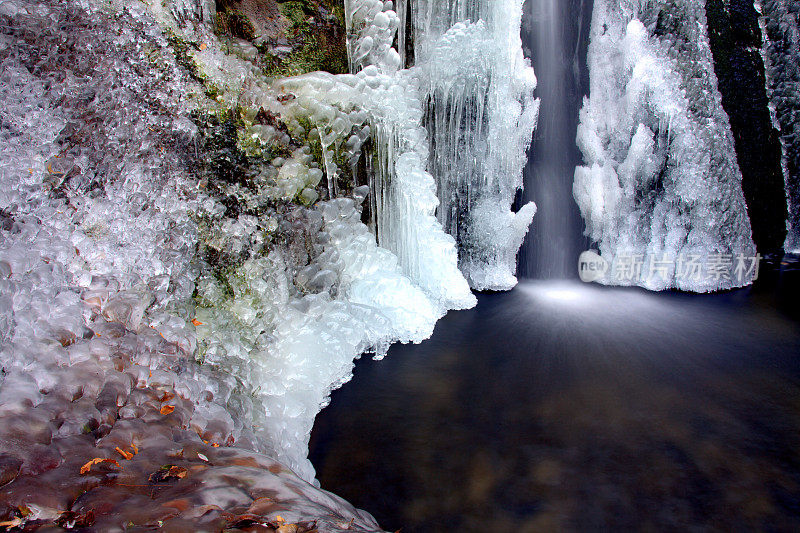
{"points": [[660, 179]]}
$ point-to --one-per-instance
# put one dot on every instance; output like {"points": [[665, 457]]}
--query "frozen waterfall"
{"points": [[475, 91], [661, 188]]}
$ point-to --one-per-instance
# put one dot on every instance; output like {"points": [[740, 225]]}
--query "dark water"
{"points": [[561, 406]]}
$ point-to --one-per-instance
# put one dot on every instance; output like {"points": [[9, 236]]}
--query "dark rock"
{"points": [[9, 468], [735, 39]]}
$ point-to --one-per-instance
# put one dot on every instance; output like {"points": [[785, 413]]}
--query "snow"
{"points": [[660, 178]]}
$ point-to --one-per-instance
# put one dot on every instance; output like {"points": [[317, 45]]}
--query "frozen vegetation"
{"points": [[781, 28], [661, 183]]}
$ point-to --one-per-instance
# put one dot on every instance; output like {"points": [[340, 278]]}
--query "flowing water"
{"points": [[555, 36]]}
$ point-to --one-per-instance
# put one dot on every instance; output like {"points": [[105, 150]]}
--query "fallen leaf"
{"points": [[202, 457], [167, 397], [135, 448], [181, 505], [127, 455], [11, 523], [97, 460], [168, 473], [196, 322], [70, 519], [167, 409], [203, 46], [197, 512]]}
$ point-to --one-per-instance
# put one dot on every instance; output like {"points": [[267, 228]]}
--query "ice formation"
{"points": [[157, 187], [661, 182], [780, 23], [472, 90]]}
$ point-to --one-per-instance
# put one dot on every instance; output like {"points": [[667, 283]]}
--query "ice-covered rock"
{"points": [[780, 22], [661, 185], [161, 193]]}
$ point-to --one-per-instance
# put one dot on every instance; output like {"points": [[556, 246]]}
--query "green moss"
{"points": [[313, 55], [234, 22], [297, 13], [183, 57]]}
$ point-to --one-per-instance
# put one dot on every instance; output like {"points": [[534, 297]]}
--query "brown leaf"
{"points": [[71, 519], [180, 504], [166, 397], [167, 409], [168, 473], [97, 460], [196, 322], [11, 523]]}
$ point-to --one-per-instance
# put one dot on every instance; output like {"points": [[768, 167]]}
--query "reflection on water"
{"points": [[562, 406]]}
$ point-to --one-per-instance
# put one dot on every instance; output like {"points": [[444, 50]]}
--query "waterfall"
{"points": [[555, 34]]}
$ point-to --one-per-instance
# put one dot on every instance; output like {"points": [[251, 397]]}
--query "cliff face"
{"points": [[292, 37], [736, 41], [780, 23]]}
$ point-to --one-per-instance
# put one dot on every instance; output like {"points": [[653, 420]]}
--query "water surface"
{"points": [[561, 406]]}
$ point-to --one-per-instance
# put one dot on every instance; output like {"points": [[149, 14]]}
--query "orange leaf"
{"points": [[127, 455], [167, 409], [135, 448], [196, 322], [203, 46], [88, 466]]}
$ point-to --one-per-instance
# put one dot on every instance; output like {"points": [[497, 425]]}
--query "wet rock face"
{"points": [[736, 41]]}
